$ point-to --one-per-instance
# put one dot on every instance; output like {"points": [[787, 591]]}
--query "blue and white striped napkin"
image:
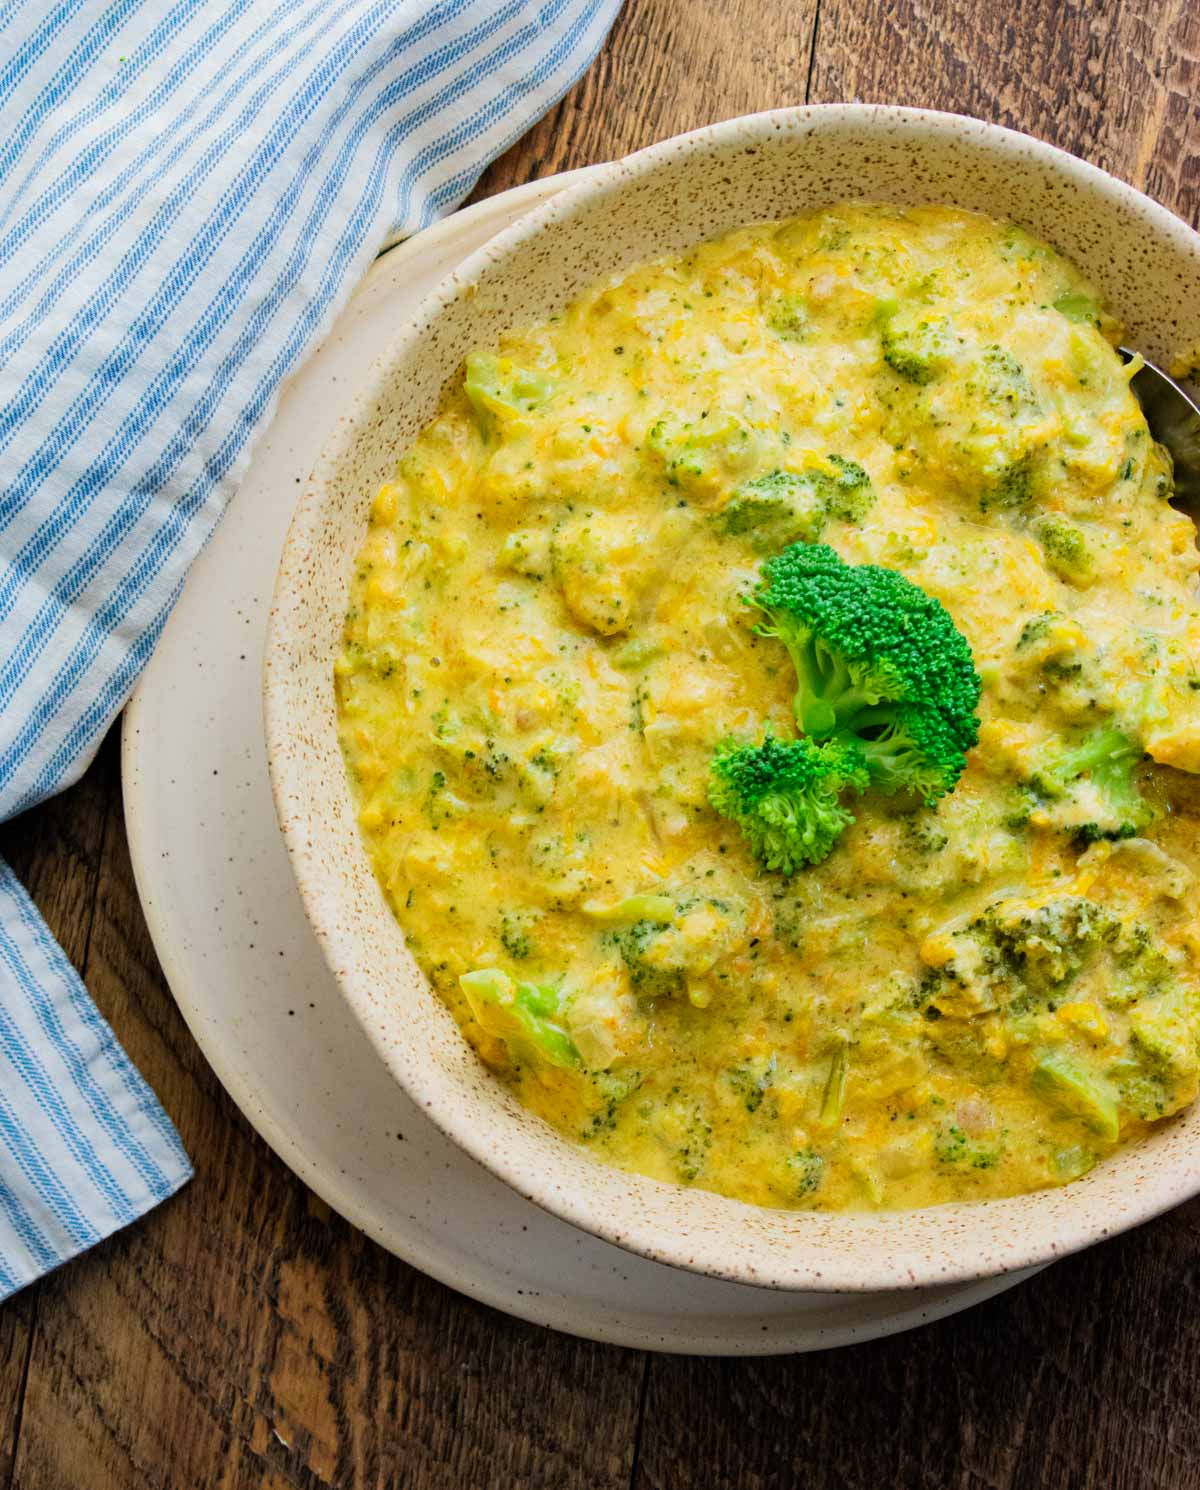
{"points": [[188, 190]]}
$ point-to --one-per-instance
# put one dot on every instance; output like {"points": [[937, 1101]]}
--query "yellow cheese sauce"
{"points": [[548, 638]]}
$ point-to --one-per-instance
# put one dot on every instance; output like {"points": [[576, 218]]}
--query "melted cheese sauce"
{"points": [[547, 639]]}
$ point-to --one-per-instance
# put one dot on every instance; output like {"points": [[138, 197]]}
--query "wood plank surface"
{"points": [[1082, 1379], [243, 1336], [668, 66], [1114, 82]]}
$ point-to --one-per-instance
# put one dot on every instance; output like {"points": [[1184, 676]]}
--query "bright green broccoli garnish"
{"points": [[525, 1016], [785, 796], [1088, 789], [878, 663]]}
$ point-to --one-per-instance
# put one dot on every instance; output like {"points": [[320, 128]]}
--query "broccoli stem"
{"points": [[833, 1099], [828, 700], [1106, 759], [1075, 1092], [522, 1015], [1107, 751], [657, 908]]}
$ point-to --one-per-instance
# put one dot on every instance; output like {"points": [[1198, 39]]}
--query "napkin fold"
{"points": [[188, 192]]}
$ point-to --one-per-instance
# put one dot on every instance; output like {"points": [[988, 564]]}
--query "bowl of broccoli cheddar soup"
{"points": [[733, 702]]}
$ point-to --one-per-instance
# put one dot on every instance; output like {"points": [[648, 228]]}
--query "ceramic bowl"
{"points": [[663, 200]]}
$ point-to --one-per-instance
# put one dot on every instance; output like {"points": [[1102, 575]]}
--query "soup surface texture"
{"points": [[548, 639]]}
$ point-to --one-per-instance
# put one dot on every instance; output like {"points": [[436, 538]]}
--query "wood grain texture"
{"points": [[243, 1336], [1115, 82], [668, 66], [1082, 1379], [16, 1339]]}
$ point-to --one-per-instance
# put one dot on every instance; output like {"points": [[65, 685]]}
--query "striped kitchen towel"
{"points": [[188, 191]]}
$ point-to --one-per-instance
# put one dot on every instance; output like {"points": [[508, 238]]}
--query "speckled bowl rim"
{"points": [[803, 1250]]}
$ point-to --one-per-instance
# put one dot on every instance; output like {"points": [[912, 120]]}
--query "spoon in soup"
{"points": [[1174, 421]]}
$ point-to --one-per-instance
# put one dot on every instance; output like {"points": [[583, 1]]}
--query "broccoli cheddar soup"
{"points": [[771, 694]]}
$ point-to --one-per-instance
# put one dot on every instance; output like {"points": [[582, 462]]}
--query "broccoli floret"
{"points": [[612, 1089], [916, 749], [789, 318], [753, 1081], [498, 389], [1067, 550], [1041, 629], [917, 353], [878, 663], [1088, 789], [1047, 945], [1143, 968], [1012, 487], [849, 495], [953, 1146], [1003, 379], [1164, 1032], [1037, 629], [1016, 951], [702, 455], [1162, 1072], [526, 1017], [784, 795], [672, 942], [782, 506], [807, 1169], [1019, 953], [774, 509], [515, 935]]}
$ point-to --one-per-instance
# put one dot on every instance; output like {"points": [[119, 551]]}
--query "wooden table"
{"points": [[243, 1336]]}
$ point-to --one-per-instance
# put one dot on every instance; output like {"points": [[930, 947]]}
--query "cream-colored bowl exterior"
{"points": [[1147, 265]]}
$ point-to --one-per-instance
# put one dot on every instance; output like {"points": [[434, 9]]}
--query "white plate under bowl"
{"points": [[250, 980]]}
